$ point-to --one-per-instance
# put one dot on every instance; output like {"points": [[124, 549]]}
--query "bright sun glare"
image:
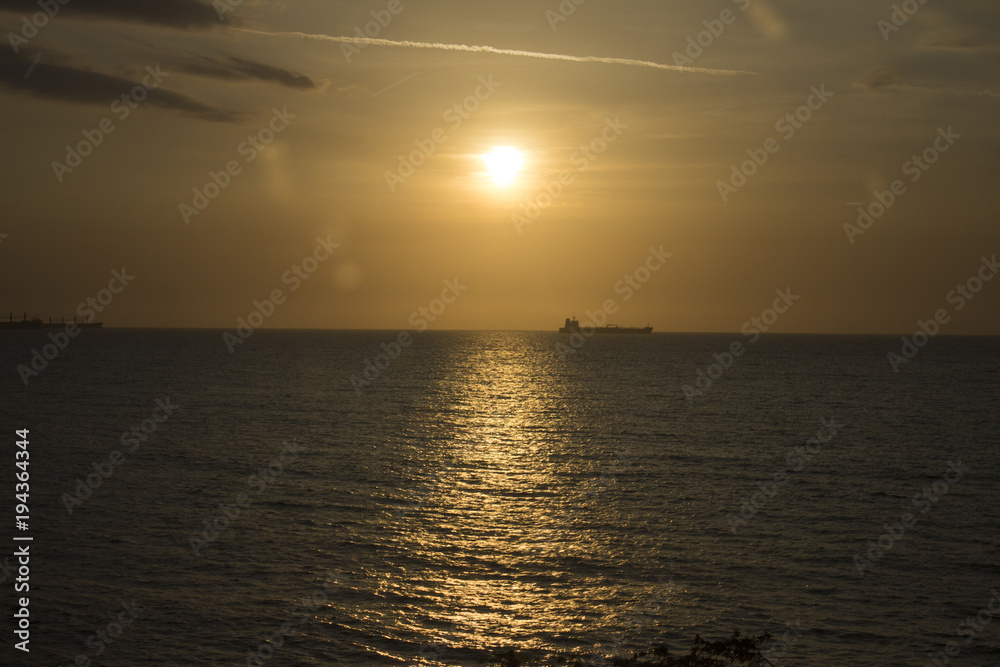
{"points": [[503, 164]]}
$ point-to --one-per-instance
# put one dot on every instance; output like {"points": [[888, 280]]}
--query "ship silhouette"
{"points": [[37, 323], [573, 326]]}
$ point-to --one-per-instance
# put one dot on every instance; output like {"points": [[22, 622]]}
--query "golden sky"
{"points": [[629, 119]]}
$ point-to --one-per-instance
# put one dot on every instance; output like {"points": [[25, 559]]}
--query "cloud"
{"points": [[884, 80], [880, 80], [173, 13], [492, 49], [70, 84], [239, 69], [956, 44]]}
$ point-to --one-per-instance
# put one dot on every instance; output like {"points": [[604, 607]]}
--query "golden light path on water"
{"points": [[501, 506], [503, 531]]}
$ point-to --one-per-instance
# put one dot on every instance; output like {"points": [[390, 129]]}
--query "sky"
{"points": [[729, 144]]}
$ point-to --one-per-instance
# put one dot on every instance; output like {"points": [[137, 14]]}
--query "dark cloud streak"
{"points": [[960, 44], [173, 13], [884, 80], [880, 80], [77, 86], [239, 69]]}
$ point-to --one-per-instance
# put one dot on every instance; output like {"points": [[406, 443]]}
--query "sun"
{"points": [[503, 164]]}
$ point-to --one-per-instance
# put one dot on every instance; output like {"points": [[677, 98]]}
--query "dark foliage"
{"points": [[737, 651]]}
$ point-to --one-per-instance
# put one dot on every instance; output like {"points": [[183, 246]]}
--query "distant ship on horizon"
{"points": [[37, 323], [573, 326]]}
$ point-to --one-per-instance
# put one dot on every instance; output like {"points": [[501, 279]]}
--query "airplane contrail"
{"points": [[375, 41]]}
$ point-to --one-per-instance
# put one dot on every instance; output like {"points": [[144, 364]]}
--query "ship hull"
{"points": [[82, 325], [606, 330], [36, 324]]}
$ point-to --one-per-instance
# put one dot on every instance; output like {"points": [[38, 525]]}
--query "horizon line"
{"points": [[105, 327]]}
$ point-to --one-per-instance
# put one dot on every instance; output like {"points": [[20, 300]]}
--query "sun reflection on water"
{"points": [[500, 515], [506, 542]]}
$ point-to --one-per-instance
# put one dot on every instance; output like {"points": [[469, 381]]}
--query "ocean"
{"points": [[480, 491]]}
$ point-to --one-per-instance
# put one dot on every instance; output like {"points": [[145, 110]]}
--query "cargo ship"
{"points": [[573, 326], [37, 323]]}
